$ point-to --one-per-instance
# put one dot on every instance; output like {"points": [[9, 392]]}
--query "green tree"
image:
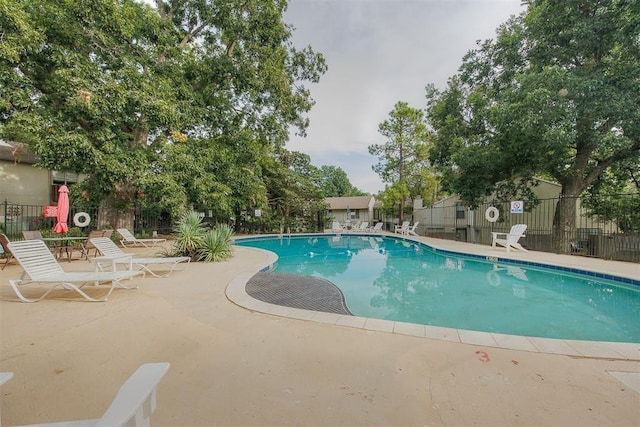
{"points": [[556, 93], [404, 156], [292, 194], [394, 195], [150, 101], [615, 196], [18, 38], [334, 182]]}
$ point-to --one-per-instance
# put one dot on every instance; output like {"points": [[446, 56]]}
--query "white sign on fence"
{"points": [[517, 206]]}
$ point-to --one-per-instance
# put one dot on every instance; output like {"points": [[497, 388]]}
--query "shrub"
{"points": [[195, 241], [189, 232], [216, 244]]}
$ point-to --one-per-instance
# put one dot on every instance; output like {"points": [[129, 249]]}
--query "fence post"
{"points": [[4, 217]]}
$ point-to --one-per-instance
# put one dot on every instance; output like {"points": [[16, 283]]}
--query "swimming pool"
{"points": [[402, 280]]}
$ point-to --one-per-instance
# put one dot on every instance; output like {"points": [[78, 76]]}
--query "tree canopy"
{"points": [[334, 182], [172, 105], [556, 93], [403, 158]]}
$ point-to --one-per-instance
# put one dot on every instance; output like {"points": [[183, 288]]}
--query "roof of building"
{"points": [[16, 152], [355, 202]]}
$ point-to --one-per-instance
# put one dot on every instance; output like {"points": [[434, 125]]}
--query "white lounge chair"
{"points": [[59, 248], [511, 238], [376, 228], [112, 254], [363, 226], [129, 239], [134, 403], [87, 246], [411, 230], [41, 267], [401, 229], [4, 377], [336, 227]]}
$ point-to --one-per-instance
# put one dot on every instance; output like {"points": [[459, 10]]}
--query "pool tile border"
{"points": [[236, 293], [487, 258], [595, 274]]}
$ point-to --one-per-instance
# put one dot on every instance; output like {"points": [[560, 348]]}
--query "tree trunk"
{"points": [[564, 223], [111, 216]]}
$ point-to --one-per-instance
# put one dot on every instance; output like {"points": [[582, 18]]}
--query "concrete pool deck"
{"points": [[236, 366]]}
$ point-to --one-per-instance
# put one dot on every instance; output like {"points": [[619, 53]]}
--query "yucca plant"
{"points": [[189, 232], [216, 244]]}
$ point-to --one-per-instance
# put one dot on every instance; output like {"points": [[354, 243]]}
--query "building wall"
{"points": [[358, 215], [22, 183], [449, 219], [361, 209]]}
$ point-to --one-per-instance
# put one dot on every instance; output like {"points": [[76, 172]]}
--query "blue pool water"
{"points": [[401, 280]]}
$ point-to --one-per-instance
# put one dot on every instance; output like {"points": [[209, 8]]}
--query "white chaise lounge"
{"points": [[376, 228], [363, 226], [112, 254], [40, 266], [4, 377], [128, 239]]}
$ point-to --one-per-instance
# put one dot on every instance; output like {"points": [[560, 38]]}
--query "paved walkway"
{"points": [[234, 366]]}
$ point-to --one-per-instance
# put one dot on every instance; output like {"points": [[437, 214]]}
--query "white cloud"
{"points": [[380, 52]]}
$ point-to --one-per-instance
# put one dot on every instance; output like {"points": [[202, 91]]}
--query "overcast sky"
{"points": [[380, 52]]}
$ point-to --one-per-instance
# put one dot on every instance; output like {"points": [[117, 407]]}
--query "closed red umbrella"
{"points": [[63, 210]]}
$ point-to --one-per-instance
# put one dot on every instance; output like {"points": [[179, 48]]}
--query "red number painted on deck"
{"points": [[483, 356]]}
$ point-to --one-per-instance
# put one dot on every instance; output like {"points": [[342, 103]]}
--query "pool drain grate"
{"points": [[297, 291]]}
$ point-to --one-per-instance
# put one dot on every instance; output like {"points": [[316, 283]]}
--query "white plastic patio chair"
{"points": [[511, 238], [401, 229], [41, 267], [411, 230], [134, 403], [111, 253], [363, 226], [336, 227], [376, 228], [129, 239], [4, 377]]}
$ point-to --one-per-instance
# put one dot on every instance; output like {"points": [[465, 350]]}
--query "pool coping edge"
{"points": [[236, 293]]}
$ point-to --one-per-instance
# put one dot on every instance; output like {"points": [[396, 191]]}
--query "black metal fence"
{"points": [[613, 233], [16, 218]]}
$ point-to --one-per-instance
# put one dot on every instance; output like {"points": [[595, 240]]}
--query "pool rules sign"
{"points": [[517, 207]]}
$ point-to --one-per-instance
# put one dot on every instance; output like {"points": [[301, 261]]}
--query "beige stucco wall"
{"points": [[340, 215], [547, 190], [363, 213], [24, 184]]}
